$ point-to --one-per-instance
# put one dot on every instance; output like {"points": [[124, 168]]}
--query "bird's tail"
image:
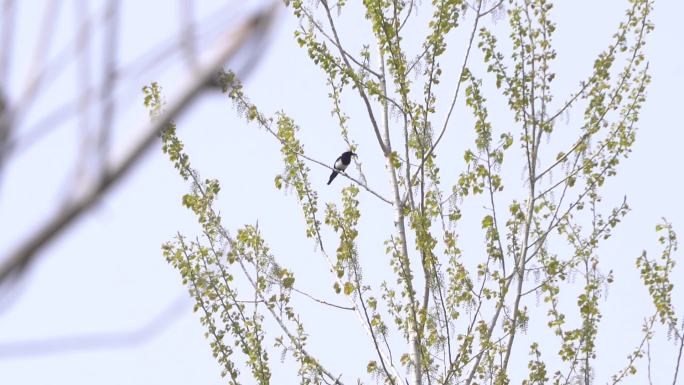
{"points": [[332, 176]]}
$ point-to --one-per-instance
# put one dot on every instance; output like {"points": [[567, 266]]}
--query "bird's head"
{"points": [[350, 153]]}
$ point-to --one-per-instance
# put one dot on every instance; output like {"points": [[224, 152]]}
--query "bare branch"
{"points": [[105, 340], [110, 50]]}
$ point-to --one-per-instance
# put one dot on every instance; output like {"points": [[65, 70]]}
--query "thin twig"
{"points": [[332, 40], [679, 359], [455, 97], [359, 86]]}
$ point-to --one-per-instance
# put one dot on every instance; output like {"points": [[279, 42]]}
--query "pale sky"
{"points": [[106, 274]]}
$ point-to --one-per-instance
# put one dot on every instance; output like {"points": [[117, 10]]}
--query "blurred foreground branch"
{"points": [[17, 260]]}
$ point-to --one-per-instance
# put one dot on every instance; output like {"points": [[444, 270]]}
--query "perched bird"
{"points": [[341, 164]]}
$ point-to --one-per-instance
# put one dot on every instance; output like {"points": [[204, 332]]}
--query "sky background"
{"points": [[106, 276]]}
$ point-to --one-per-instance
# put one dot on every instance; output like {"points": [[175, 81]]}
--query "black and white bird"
{"points": [[341, 164]]}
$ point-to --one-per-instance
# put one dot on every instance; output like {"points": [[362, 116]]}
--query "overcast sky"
{"points": [[106, 275]]}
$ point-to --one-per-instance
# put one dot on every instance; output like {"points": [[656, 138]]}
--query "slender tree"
{"points": [[449, 315]]}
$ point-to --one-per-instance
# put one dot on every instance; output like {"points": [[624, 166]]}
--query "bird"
{"points": [[341, 164]]}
